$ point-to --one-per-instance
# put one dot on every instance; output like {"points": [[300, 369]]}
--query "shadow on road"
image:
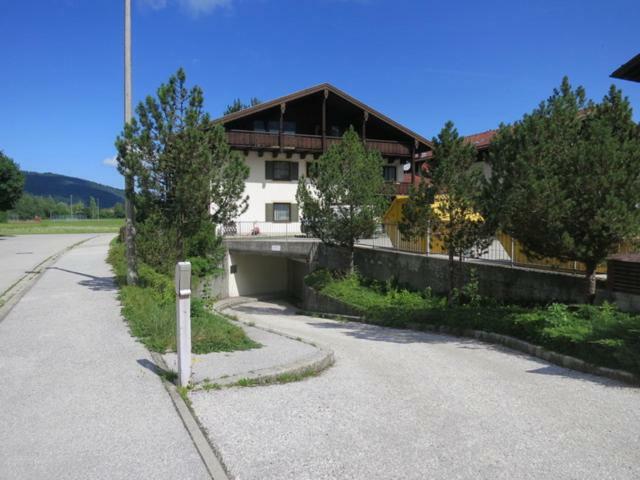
{"points": [[152, 367], [377, 333], [92, 282]]}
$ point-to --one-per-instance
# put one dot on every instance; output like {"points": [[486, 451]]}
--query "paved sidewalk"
{"points": [[21, 253], [408, 405], [78, 399], [277, 351]]}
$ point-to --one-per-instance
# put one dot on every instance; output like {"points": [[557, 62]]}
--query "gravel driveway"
{"points": [[408, 405]]}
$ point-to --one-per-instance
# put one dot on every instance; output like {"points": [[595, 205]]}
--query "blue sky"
{"points": [[420, 62]]}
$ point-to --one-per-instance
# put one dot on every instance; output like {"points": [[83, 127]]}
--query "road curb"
{"points": [[206, 450], [315, 363], [12, 295], [512, 343]]}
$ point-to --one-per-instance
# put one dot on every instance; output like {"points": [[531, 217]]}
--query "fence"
{"points": [[256, 230], [502, 249]]}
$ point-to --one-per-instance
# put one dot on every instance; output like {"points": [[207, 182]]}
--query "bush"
{"points": [[156, 246], [600, 335]]}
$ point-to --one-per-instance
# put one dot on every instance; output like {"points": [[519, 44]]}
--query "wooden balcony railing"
{"points": [[402, 188], [307, 143]]}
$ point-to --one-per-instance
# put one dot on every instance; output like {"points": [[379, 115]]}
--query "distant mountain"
{"points": [[61, 187]]}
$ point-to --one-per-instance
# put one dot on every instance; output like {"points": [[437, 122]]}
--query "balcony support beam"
{"points": [[365, 117], [325, 95], [413, 161], [283, 107]]}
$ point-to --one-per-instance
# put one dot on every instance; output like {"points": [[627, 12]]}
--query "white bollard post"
{"points": [[183, 321]]}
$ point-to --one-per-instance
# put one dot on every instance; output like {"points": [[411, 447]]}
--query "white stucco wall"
{"points": [[257, 275], [262, 191]]}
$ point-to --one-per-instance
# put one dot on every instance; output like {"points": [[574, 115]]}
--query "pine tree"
{"points": [[343, 201], [446, 205], [238, 105], [566, 180], [11, 182], [188, 177]]}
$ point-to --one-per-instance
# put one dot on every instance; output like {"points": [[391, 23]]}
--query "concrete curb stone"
{"points": [[565, 361], [12, 295]]}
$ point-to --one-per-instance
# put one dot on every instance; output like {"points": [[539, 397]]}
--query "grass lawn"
{"points": [[597, 334], [150, 310], [111, 225]]}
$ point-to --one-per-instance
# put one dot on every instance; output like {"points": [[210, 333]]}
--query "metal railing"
{"points": [[502, 249], [259, 229]]}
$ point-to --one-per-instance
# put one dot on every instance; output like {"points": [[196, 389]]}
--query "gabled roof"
{"points": [[630, 70], [316, 89]]}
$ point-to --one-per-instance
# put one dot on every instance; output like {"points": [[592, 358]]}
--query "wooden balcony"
{"points": [[250, 140], [401, 188]]}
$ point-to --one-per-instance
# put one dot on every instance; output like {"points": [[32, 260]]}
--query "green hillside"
{"points": [[61, 187]]}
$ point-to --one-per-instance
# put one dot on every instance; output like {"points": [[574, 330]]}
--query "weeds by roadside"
{"points": [[597, 334], [150, 311]]}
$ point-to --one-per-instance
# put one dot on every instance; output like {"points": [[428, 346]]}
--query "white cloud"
{"points": [[192, 7], [202, 7], [154, 4], [111, 161]]}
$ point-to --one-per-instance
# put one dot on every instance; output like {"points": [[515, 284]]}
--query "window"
{"points": [[389, 173], [281, 212], [281, 170], [289, 127], [273, 126], [258, 126]]}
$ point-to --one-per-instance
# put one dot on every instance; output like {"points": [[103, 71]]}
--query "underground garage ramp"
{"points": [[255, 275]]}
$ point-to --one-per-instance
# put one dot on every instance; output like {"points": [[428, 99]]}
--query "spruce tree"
{"points": [[566, 178], [343, 200], [446, 205]]}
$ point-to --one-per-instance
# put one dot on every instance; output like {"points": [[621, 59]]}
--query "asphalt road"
{"points": [[79, 399], [409, 405], [21, 253]]}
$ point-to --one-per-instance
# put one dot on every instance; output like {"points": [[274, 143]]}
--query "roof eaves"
{"points": [[315, 89], [629, 71]]}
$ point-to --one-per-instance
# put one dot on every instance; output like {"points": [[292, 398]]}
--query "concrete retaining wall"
{"points": [[503, 283], [318, 303]]}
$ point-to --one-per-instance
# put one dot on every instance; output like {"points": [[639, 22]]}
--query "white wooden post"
{"points": [[183, 321]]}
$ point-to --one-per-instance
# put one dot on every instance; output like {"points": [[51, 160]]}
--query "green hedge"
{"points": [[150, 310], [598, 334]]}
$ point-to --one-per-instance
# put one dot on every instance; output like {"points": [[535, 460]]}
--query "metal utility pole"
{"points": [[127, 61], [132, 272]]}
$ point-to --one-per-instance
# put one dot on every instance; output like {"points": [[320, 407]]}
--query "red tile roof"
{"points": [[481, 140]]}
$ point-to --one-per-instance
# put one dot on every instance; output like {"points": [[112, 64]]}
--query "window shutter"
{"points": [[294, 212], [268, 173], [268, 214], [312, 169], [293, 171]]}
